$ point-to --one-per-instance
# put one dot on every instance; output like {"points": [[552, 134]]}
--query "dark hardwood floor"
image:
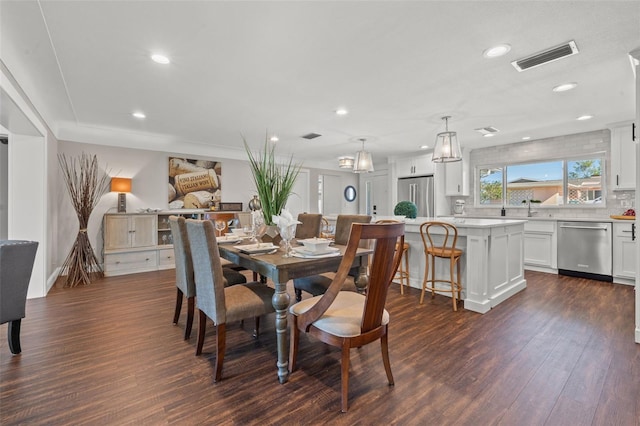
{"points": [[559, 353]]}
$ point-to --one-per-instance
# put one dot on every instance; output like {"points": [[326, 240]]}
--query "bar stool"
{"points": [[446, 250], [402, 273]]}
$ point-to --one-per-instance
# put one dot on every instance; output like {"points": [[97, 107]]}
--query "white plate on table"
{"points": [[256, 248], [304, 254], [324, 250], [228, 239]]}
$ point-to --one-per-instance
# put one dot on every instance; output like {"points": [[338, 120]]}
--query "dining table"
{"points": [[272, 265]]}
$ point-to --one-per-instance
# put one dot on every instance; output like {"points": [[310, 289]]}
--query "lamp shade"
{"points": [[363, 163], [345, 162], [119, 184], [447, 148]]}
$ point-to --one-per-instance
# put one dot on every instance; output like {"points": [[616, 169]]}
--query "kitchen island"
{"points": [[492, 265]]}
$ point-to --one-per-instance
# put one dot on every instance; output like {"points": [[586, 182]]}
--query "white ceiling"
{"points": [[284, 67]]}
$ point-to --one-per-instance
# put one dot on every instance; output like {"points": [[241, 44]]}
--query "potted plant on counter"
{"points": [[274, 181], [406, 209]]}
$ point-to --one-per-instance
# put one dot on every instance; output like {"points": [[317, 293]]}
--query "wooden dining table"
{"points": [[282, 269]]}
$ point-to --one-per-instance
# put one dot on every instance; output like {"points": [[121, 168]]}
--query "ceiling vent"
{"points": [[489, 130], [310, 136], [549, 55]]}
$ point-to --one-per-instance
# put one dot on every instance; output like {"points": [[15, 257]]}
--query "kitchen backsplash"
{"points": [[543, 149]]}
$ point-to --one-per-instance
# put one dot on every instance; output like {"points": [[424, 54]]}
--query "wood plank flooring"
{"points": [[559, 353]]}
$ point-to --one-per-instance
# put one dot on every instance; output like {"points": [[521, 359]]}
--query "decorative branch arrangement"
{"points": [[86, 183]]}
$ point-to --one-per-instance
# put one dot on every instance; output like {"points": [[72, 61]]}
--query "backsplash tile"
{"points": [[546, 149]]}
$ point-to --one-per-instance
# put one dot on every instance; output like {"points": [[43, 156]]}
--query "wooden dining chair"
{"points": [[347, 319], [185, 283], [222, 304], [318, 284], [310, 226], [445, 248]]}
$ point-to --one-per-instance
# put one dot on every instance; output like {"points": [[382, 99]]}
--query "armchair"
{"points": [[16, 264]]}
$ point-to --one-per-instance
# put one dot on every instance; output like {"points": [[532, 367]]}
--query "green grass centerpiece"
{"points": [[407, 209], [274, 181]]}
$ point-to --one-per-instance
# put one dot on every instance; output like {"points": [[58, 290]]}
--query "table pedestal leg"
{"points": [[281, 303]]}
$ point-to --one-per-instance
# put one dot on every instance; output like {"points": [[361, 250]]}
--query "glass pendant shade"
{"points": [[345, 162], [363, 162], [447, 148]]}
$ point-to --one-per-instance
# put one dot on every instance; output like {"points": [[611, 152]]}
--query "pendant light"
{"points": [[363, 162], [447, 148]]}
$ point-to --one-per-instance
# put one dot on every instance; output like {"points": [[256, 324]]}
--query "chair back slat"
{"points": [[182, 255], [209, 279], [343, 226], [383, 267], [449, 238]]}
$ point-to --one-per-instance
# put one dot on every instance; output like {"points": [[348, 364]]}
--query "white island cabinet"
{"points": [[492, 265]]}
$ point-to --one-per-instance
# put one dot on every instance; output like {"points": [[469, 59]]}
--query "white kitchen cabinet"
{"points": [[414, 166], [456, 177], [624, 252], [540, 241], [623, 158]]}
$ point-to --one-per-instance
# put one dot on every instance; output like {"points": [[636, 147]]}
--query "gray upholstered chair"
{"points": [[16, 264], [346, 319], [221, 304], [318, 284], [184, 272], [310, 226]]}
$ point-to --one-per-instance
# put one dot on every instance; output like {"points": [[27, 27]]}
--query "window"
{"points": [[535, 181], [550, 183], [491, 186]]}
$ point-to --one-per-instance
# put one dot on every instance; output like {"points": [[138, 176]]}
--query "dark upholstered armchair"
{"points": [[16, 265]]}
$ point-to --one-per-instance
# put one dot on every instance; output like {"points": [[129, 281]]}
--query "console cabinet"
{"points": [[142, 242]]}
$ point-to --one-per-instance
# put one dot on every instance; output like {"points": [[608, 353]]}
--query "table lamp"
{"points": [[121, 186]]}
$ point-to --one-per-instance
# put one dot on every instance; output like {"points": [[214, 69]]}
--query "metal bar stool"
{"points": [[402, 273], [446, 250]]}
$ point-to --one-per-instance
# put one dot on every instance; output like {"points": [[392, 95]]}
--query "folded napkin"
{"points": [[285, 222]]}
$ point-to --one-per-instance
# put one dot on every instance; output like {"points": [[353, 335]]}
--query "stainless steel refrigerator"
{"points": [[418, 190]]}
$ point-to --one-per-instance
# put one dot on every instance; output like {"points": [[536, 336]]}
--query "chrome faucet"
{"points": [[529, 212]]}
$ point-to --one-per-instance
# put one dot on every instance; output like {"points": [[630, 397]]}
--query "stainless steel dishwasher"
{"points": [[584, 250]]}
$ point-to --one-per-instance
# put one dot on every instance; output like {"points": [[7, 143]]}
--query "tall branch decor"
{"points": [[86, 183]]}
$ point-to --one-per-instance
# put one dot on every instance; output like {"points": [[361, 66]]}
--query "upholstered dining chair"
{"points": [[346, 319], [16, 264], [185, 283], [318, 284], [222, 304], [310, 226]]}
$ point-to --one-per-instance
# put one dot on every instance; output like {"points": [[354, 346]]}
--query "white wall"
{"points": [[149, 173], [4, 186]]}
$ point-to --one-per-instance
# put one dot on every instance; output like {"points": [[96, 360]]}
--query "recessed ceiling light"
{"points": [[495, 51], [424, 147], [274, 138], [139, 115], [342, 111], [489, 135], [564, 87], [584, 117], [161, 59], [526, 138]]}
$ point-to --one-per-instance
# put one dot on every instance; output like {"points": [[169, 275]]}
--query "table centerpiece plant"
{"points": [[274, 181]]}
